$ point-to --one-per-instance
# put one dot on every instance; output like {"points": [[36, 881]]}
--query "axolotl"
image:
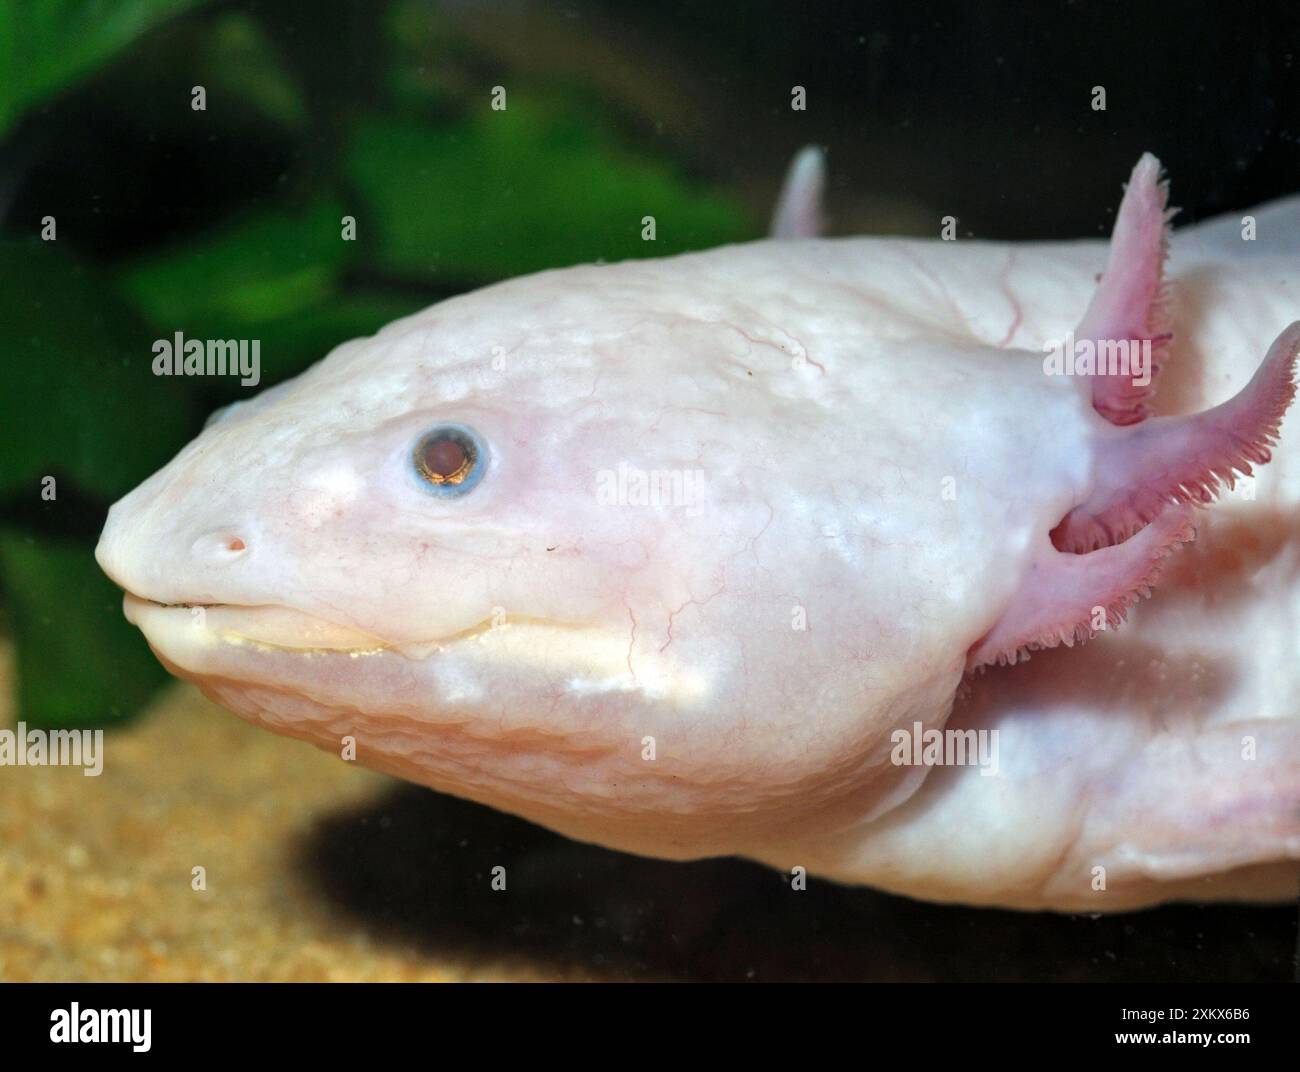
{"points": [[719, 553]]}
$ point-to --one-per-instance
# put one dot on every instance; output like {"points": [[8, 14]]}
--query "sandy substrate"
{"points": [[96, 872]]}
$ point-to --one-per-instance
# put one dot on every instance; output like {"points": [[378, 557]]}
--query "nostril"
{"points": [[220, 546]]}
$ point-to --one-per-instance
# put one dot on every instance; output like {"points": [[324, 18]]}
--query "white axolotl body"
{"points": [[671, 555]]}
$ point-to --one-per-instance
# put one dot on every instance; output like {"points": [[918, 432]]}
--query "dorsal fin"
{"points": [[799, 208]]}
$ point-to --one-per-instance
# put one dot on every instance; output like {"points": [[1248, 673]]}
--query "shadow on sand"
{"points": [[415, 869]]}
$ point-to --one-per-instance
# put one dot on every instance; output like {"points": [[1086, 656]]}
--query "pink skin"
{"points": [[1130, 302], [884, 470]]}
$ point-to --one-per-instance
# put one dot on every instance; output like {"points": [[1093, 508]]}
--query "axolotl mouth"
{"points": [[279, 644], [176, 628]]}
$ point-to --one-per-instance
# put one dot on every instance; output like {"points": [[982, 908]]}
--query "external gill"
{"points": [[1143, 468], [1130, 305], [1106, 552], [1064, 598]]}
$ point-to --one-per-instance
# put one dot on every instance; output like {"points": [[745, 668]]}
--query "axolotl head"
{"points": [[539, 546], [658, 554]]}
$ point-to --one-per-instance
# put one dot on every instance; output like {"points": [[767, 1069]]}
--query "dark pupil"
{"points": [[445, 459], [444, 456]]}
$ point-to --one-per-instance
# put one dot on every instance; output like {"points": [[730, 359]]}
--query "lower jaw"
{"points": [[271, 643], [262, 648], [290, 672]]}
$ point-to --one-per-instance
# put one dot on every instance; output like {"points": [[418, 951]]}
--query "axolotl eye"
{"points": [[449, 460]]}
